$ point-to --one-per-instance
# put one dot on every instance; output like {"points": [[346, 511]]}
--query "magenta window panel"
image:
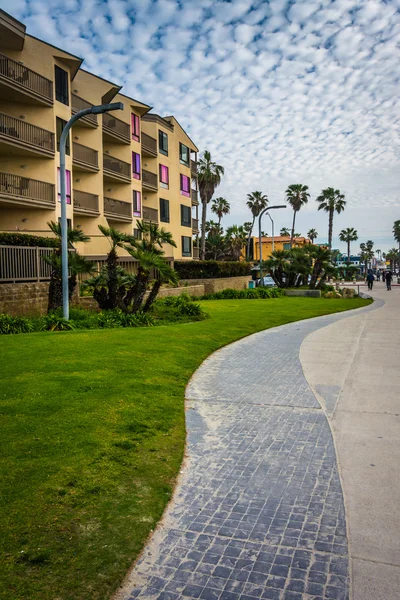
{"points": [[137, 204], [135, 127], [164, 176], [135, 165], [68, 185], [185, 186]]}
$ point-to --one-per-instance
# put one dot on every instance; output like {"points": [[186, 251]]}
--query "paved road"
{"points": [[258, 512], [358, 381]]}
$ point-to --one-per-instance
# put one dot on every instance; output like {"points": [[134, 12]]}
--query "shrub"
{"points": [[139, 319], [178, 308], [209, 269], [117, 318], [250, 294], [23, 239], [11, 325], [54, 322]]}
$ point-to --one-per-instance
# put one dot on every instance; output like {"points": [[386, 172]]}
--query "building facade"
{"points": [[122, 166], [274, 243]]}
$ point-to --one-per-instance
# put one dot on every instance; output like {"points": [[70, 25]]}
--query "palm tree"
{"points": [[297, 195], [367, 253], [256, 202], [396, 231], [393, 256], [235, 238], [312, 235], [117, 239], [220, 207], [331, 201], [348, 235], [209, 177], [284, 232]]}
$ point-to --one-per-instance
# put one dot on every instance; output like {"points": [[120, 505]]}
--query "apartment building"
{"points": [[121, 166]]}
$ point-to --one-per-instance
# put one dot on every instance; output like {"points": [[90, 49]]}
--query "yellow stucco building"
{"points": [[276, 243], [121, 166]]}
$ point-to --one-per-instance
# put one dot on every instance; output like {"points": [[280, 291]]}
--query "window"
{"points": [[184, 153], [68, 187], [60, 124], [186, 216], [162, 142], [69, 223], [164, 177], [186, 246], [135, 165], [137, 234], [135, 128], [61, 78], [137, 204], [164, 210], [185, 186], [286, 246]]}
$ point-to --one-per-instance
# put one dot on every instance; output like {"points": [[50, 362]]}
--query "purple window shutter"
{"points": [[138, 163], [133, 124], [68, 186], [137, 125], [139, 202]]}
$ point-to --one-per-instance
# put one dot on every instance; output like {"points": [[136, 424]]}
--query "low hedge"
{"points": [[250, 294], [210, 269], [24, 239]]}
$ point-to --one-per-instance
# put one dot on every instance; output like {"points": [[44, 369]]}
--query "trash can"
{"points": [[252, 284]]}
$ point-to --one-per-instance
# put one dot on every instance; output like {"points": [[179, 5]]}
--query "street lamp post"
{"points": [[94, 110], [273, 235], [259, 234]]}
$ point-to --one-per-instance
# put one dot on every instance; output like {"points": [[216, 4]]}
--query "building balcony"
{"points": [[115, 169], [117, 210], [116, 130], [195, 197], [195, 252], [193, 168], [149, 181], [20, 84], [150, 214], [23, 191], [78, 104], [21, 138], [195, 225], [84, 158], [149, 145], [85, 203]]}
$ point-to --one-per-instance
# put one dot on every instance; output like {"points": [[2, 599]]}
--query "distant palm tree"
{"points": [[312, 235], [331, 201], [235, 239], [396, 231], [256, 202], [209, 177], [297, 195], [393, 256], [220, 207], [284, 232], [348, 235]]}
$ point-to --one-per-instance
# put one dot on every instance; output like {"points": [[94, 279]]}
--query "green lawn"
{"points": [[92, 437]]}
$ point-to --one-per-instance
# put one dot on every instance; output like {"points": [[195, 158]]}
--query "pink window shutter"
{"points": [[68, 186]]}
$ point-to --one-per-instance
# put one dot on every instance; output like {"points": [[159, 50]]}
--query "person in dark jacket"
{"points": [[389, 278], [370, 279]]}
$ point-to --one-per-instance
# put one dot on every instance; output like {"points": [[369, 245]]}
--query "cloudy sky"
{"points": [[280, 92]]}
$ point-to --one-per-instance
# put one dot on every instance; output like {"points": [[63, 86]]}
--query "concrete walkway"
{"points": [[353, 367], [258, 511]]}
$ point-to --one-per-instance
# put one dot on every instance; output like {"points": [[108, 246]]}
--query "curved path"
{"points": [[258, 511], [358, 382]]}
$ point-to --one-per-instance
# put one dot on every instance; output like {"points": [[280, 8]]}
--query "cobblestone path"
{"points": [[258, 511]]}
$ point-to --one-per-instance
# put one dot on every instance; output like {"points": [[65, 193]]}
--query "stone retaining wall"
{"points": [[24, 299], [218, 284], [308, 293]]}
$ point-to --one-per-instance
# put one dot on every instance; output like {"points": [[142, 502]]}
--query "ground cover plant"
{"points": [[92, 439]]}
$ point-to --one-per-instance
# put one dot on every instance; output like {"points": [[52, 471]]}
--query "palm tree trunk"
{"points": [[219, 220], [293, 224], [140, 288], [249, 239], [153, 295], [203, 230], [330, 229], [112, 278]]}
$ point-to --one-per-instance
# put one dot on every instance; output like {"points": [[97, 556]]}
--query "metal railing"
{"points": [[78, 104], [118, 209], [149, 144], [195, 225], [15, 186], [21, 263], [149, 178], [26, 134], [195, 197], [84, 202], [25, 78], [116, 166], [85, 156], [116, 127], [193, 167], [150, 214]]}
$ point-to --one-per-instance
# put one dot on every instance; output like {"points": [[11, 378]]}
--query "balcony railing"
{"points": [[149, 145], [150, 214], [85, 203], [25, 80], [149, 179], [195, 197], [26, 135], [82, 156], [193, 168], [116, 128], [117, 209], [116, 167], [195, 225], [78, 104], [29, 192]]}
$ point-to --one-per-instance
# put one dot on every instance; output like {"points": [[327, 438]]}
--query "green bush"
{"points": [[54, 322], [23, 239], [178, 308], [117, 318], [11, 325], [210, 269], [250, 294]]}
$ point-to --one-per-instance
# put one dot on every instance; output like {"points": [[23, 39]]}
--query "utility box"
{"points": [[252, 284]]}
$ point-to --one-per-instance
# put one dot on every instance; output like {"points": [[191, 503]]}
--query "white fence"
{"points": [[23, 263]]}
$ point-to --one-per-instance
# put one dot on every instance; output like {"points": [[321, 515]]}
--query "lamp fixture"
{"points": [[77, 137], [77, 180], [107, 152], [22, 117], [24, 166], [25, 220]]}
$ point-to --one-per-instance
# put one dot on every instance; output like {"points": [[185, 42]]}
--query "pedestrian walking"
{"points": [[389, 278], [378, 275], [370, 279], [383, 276]]}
